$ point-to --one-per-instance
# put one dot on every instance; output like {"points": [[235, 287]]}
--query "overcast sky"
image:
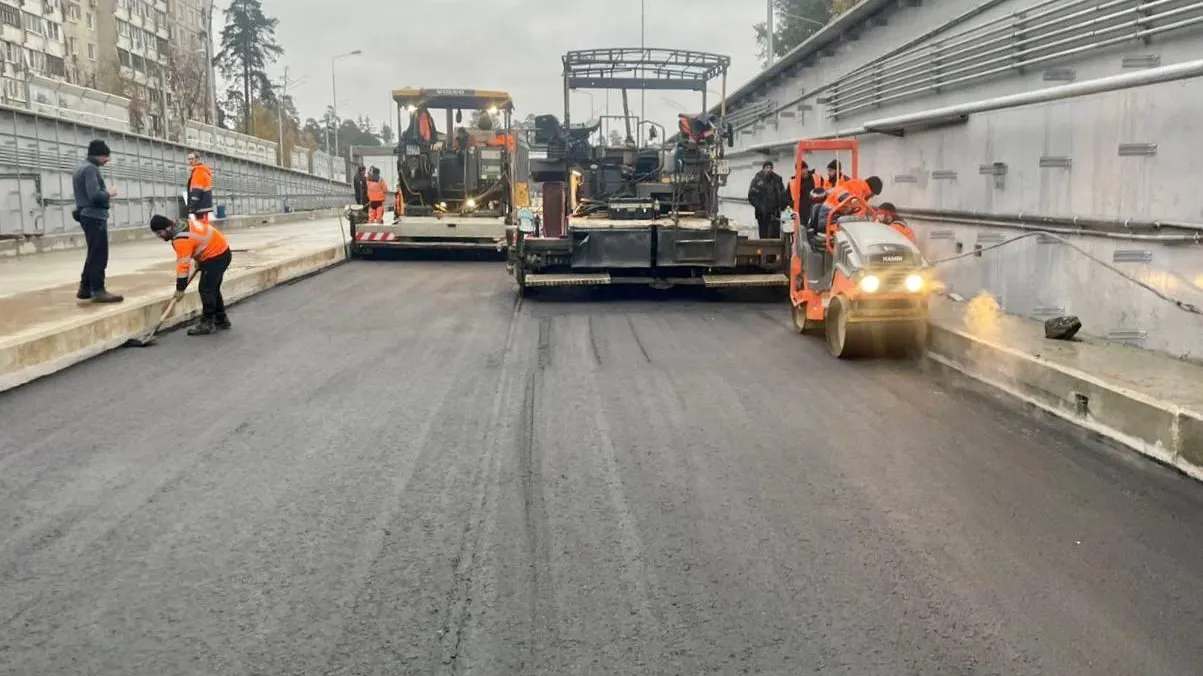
{"points": [[513, 45]]}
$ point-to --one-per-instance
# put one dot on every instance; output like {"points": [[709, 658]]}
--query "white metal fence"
{"points": [[38, 154]]}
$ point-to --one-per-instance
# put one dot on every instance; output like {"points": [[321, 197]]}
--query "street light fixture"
{"points": [[334, 91]]}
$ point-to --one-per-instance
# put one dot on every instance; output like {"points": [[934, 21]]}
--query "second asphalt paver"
{"points": [[396, 469]]}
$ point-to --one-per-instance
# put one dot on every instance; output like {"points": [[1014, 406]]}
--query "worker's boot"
{"points": [[203, 328], [84, 293], [103, 296], [222, 322]]}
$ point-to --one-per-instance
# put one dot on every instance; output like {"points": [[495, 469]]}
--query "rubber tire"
{"points": [[802, 325], [843, 340]]}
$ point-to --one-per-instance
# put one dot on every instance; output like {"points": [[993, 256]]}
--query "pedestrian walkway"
{"points": [[1143, 399], [44, 328]]}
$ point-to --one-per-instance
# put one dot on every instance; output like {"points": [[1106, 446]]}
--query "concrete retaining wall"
{"points": [[1160, 429], [1119, 156], [27, 359], [39, 153]]}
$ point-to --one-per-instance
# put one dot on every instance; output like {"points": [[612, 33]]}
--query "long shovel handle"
{"points": [[171, 305]]}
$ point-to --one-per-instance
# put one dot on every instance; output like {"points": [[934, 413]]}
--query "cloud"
{"points": [[512, 45]]}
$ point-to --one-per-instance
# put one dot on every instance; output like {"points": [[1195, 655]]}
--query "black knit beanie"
{"points": [[159, 222], [98, 148]]}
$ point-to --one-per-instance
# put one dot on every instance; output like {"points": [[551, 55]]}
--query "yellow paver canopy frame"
{"points": [[453, 99]]}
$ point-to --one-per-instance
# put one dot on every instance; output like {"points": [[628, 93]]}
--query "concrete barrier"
{"points": [[30, 357], [1163, 430], [26, 246]]}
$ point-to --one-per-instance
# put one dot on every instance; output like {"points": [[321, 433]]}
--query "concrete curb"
{"points": [[1158, 429], [75, 240], [26, 360]]}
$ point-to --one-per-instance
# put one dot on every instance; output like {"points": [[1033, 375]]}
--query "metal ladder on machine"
{"points": [[691, 250]]}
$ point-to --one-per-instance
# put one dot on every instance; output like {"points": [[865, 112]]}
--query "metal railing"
{"points": [[38, 155], [1047, 32]]}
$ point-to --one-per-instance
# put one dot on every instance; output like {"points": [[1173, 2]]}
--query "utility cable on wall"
{"points": [[1180, 304]]}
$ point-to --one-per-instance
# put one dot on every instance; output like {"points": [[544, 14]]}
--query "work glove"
{"points": [[178, 295]]}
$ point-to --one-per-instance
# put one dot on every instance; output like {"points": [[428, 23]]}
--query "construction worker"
{"points": [[398, 206], [809, 190], [361, 187], [768, 197], [198, 243], [823, 183], [200, 188], [377, 193], [864, 189], [887, 213]]}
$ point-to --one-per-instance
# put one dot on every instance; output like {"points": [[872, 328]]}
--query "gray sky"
{"points": [[513, 45]]}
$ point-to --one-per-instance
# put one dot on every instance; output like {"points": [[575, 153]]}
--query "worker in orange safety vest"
{"points": [[200, 188], [377, 193], [862, 188], [198, 243], [887, 213]]}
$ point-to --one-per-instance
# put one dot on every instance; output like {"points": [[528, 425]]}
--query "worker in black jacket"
{"points": [[361, 187], [768, 197], [92, 203]]}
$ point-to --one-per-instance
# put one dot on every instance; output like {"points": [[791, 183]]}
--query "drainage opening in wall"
{"points": [[1081, 404]]}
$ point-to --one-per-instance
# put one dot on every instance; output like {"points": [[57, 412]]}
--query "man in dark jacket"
{"points": [[92, 200], [361, 187], [768, 197]]}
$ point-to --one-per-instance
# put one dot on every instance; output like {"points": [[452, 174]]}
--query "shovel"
{"points": [[149, 339]]}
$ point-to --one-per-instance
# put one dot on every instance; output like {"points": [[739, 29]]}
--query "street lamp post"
{"points": [[769, 33], [643, 48], [334, 91]]}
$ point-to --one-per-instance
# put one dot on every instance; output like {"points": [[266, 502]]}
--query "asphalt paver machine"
{"points": [[639, 212], [458, 187]]}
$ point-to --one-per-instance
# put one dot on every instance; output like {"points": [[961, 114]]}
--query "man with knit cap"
{"points": [[198, 243], [92, 201]]}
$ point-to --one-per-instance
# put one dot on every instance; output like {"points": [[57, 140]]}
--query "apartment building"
{"points": [[190, 26], [137, 49], [31, 42], [82, 42]]}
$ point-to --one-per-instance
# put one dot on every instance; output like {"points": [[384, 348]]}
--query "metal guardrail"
{"points": [[38, 154], [1049, 31]]}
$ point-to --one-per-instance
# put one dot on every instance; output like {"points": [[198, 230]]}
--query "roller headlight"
{"points": [[914, 283], [470, 203], [870, 283]]}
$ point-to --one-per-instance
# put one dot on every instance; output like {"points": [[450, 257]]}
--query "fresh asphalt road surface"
{"points": [[394, 468]]}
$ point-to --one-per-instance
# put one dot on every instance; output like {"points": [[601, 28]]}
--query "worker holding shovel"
{"points": [[198, 243]]}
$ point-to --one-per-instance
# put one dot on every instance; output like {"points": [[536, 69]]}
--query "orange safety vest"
{"points": [[199, 242], [200, 189], [846, 189], [377, 190], [904, 230]]}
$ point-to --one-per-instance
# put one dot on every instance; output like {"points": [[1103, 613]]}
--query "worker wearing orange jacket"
{"points": [[887, 213], [865, 189], [377, 193], [198, 243], [200, 188]]}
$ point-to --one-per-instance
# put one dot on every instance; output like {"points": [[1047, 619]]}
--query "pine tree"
{"points": [[248, 47]]}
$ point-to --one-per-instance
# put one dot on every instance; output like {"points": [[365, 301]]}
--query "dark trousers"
{"points": [[768, 224], [212, 272], [96, 234]]}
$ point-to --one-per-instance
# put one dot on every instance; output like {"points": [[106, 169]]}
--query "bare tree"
{"points": [[186, 73]]}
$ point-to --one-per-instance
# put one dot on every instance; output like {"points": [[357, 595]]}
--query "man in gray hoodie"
{"points": [[92, 212]]}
